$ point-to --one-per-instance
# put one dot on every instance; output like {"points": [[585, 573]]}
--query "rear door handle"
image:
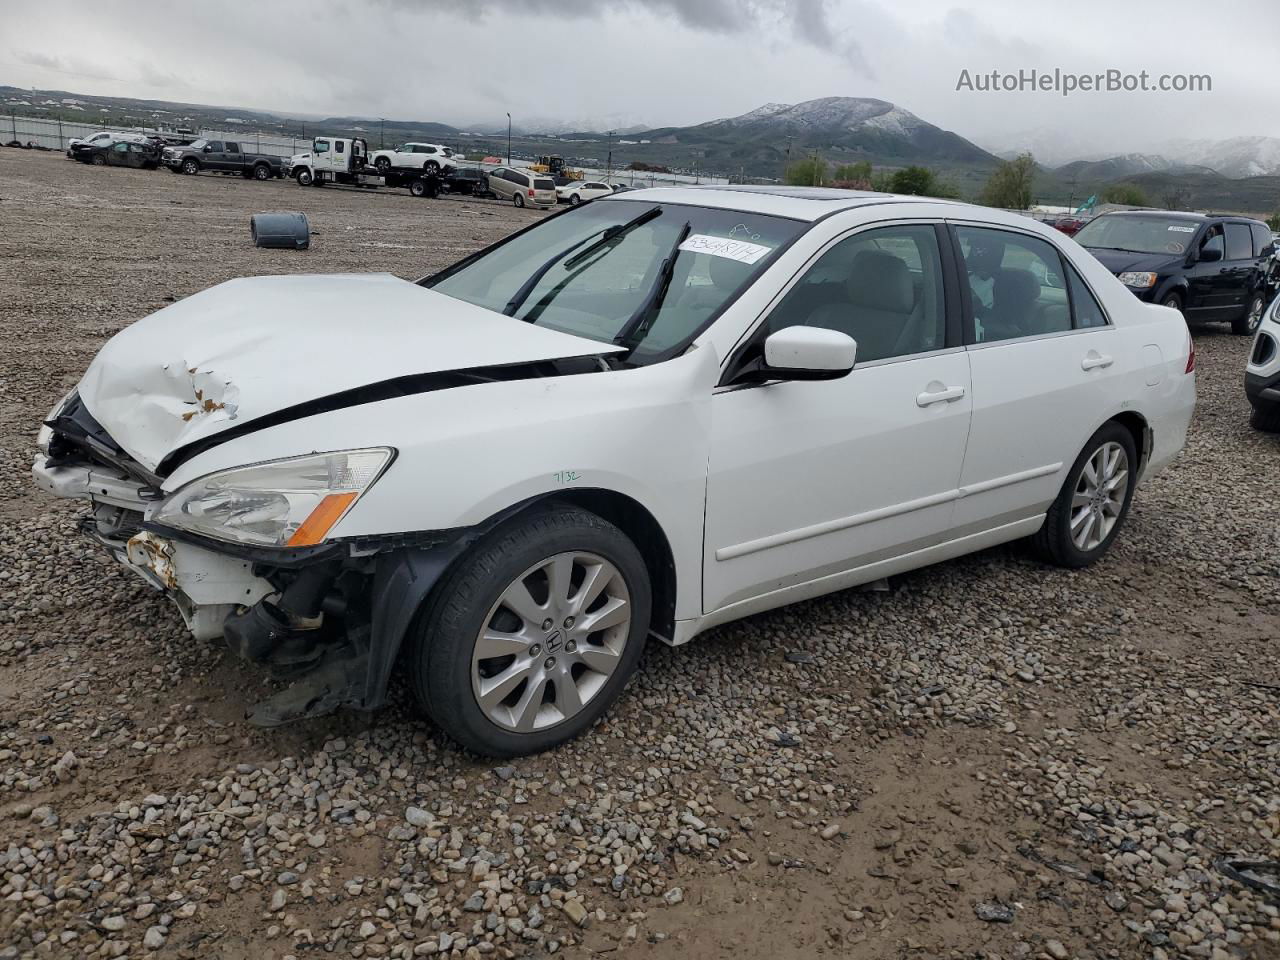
{"points": [[1094, 359], [945, 395]]}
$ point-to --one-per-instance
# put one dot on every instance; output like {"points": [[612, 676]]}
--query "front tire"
{"points": [[303, 177], [190, 167], [1094, 501], [1173, 301], [1247, 324], [99, 160], [533, 634], [574, 199]]}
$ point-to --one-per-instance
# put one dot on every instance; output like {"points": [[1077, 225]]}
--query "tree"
{"points": [[1273, 222], [852, 171], [1010, 185], [1127, 194], [882, 181], [913, 181], [806, 172], [1174, 198]]}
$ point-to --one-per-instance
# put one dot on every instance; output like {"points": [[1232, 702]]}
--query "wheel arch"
{"points": [[1140, 430], [406, 579]]}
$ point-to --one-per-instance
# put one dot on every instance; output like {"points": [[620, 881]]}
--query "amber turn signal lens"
{"points": [[324, 516]]}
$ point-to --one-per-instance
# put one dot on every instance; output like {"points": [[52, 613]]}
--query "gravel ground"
{"points": [[990, 758]]}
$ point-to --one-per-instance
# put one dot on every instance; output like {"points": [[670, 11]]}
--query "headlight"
{"points": [[281, 503], [1139, 281], [45, 434]]}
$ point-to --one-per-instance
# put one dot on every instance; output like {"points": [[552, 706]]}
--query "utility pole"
{"points": [[508, 138], [608, 164], [382, 126], [787, 162]]}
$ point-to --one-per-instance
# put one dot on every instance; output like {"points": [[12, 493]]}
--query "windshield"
{"points": [[1170, 235], [648, 275], [197, 144]]}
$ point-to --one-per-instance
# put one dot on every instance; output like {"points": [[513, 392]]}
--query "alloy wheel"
{"points": [[1099, 496], [1256, 307], [551, 642]]}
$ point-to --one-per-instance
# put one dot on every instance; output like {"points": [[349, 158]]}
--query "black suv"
{"points": [[1207, 266]]}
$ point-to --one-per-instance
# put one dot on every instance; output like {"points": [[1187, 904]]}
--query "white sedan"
{"points": [[576, 191], [659, 412]]}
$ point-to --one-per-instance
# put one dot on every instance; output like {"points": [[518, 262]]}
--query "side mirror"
{"points": [[802, 353], [1210, 254], [208, 149]]}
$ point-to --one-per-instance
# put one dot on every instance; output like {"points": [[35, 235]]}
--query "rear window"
{"points": [[1239, 242], [542, 183]]}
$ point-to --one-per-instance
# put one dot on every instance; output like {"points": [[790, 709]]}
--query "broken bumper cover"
{"points": [[222, 590], [205, 585]]}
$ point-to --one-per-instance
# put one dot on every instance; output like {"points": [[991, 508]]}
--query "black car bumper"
{"points": [[1262, 391]]}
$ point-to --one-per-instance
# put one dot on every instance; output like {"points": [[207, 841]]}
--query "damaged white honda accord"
{"points": [[651, 414]]}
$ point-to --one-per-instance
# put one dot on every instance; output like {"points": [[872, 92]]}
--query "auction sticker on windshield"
{"points": [[730, 249]]}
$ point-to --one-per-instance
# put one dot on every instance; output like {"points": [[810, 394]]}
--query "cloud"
{"points": [[807, 20], [78, 68]]}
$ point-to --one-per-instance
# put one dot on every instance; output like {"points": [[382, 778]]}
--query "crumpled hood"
{"points": [[250, 347], [1125, 261]]}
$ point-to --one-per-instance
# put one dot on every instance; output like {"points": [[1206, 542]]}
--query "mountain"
{"points": [[1234, 157], [842, 129], [1118, 168]]}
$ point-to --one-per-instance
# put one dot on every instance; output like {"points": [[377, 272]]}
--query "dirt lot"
{"points": [[990, 759]]}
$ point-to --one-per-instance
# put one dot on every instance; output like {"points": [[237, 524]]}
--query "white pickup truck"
{"points": [[431, 157]]}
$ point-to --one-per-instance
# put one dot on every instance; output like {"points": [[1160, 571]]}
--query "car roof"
{"points": [[1181, 215], [798, 203]]}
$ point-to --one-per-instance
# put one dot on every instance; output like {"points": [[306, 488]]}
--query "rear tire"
{"points": [[1246, 325], [431, 167], [1265, 419], [383, 164], [418, 188], [518, 199], [1092, 506], [562, 678], [262, 172]]}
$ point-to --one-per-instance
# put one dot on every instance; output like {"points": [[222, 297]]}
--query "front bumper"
{"points": [[206, 586]]}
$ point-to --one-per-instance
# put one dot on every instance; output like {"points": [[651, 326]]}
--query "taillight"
{"points": [[531, 193], [1191, 355]]}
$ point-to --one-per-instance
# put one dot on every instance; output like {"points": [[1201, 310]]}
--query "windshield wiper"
{"points": [[610, 234], [637, 324]]}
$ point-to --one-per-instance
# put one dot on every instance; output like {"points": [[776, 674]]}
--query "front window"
{"points": [[647, 276], [320, 146], [1144, 234]]}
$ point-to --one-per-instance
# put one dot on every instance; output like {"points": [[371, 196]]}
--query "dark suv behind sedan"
{"points": [[1208, 267]]}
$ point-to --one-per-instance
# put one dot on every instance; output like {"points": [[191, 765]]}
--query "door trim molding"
{"points": [[882, 513]]}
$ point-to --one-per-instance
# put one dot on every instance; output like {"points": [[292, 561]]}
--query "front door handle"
{"points": [[940, 395], [1094, 359]]}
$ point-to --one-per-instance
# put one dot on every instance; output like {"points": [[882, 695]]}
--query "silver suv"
{"points": [[521, 187]]}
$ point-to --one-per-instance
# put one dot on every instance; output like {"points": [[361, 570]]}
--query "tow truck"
{"points": [[345, 160]]}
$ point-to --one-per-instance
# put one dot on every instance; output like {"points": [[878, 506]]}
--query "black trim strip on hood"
{"points": [[409, 385]]}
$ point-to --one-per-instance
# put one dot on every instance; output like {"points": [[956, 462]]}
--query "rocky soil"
{"points": [[991, 758]]}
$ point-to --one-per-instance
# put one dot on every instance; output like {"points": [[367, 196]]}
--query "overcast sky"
{"points": [[663, 62]]}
